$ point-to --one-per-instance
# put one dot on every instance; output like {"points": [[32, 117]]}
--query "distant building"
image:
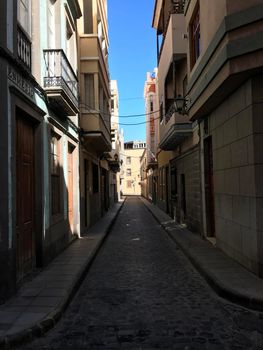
{"points": [[95, 116], [115, 157], [152, 134], [133, 151]]}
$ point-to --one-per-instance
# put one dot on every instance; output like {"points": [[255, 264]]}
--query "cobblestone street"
{"points": [[142, 293]]}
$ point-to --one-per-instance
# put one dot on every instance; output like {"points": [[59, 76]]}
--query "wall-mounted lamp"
{"points": [[180, 104]]}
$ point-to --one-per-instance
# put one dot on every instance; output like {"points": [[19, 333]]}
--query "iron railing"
{"points": [[178, 6], [59, 73], [169, 113], [23, 48]]}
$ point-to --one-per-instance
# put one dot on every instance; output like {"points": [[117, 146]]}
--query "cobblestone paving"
{"points": [[142, 293]]}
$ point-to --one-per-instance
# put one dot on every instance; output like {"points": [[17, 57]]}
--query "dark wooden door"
{"points": [[86, 191], [167, 189], [209, 186], [70, 186], [183, 199], [25, 245]]}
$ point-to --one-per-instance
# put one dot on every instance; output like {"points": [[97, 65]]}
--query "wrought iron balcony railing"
{"points": [[23, 48], [60, 74], [178, 6]]}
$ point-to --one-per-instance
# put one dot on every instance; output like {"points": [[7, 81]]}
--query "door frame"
{"points": [[36, 116], [209, 186]]}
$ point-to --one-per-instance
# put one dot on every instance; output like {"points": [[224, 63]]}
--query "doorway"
{"points": [[209, 187], [70, 187], [183, 199], [25, 188]]}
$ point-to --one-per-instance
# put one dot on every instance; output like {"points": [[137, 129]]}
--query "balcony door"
{"points": [[51, 36], [25, 185]]}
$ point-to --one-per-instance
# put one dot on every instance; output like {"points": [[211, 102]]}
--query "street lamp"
{"points": [[180, 104]]}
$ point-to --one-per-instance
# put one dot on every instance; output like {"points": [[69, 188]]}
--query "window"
{"points": [[129, 184], [88, 17], [55, 174], [51, 24], [128, 160], [95, 178], [195, 36], [128, 172], [151, 103], [89, 91], [24, 15]]}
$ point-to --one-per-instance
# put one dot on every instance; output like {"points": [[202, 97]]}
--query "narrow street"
{"points": [[142, 293]]}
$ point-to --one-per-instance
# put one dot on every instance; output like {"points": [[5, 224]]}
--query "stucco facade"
{"points": [[178, 177], [95, 119], [133, 152], [39, 195]]}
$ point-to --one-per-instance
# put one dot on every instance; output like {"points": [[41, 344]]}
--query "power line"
{"points": [[127, 124], [120, 116]]}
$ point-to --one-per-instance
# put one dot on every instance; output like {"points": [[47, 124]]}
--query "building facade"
{"points": [[225, 85], [209, 160], [39, 105], [178, 155], [117, 152], [95, 118], [152, 134], [133, 151]]}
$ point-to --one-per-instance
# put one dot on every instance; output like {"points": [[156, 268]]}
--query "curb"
{"points": [[217, 285], [39, 329]]}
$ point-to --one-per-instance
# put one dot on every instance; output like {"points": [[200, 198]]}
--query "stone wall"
{"points": [[236, 127]]}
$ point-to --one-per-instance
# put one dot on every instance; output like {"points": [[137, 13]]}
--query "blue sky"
{"points": [[132, 54]]}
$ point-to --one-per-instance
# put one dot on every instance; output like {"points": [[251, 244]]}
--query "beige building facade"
{"points": [[117, 141], [95, 120], [178, 154], [225, 85], [133, 152], [152, 135], [212, 146]]}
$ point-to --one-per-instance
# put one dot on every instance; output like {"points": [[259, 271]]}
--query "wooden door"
{"points": [[167, 189], [183, 199], [102, 193], [70, 186], [25, 244], [209, 186], [86, 192]]}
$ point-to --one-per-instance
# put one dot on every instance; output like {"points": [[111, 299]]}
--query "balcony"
{"points": [[23, 48], [60, 82], [173, 42], [175, 130], [95, 131]]}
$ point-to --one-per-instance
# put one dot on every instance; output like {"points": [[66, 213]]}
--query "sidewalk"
{"points": [[39, 304], [228, 278]]}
